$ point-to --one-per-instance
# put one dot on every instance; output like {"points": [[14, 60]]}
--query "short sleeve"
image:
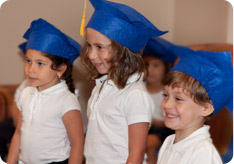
{"points": [[20, 88], [69, 102], [23, 94], [138, 107]]}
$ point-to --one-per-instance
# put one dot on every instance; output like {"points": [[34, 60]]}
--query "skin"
{"points": [[38, 71], [99, 50], [99, 54], [181, 112]]}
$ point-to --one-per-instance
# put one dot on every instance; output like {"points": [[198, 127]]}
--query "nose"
{"points": [[167, 103], [92, 54], [29, 68]]}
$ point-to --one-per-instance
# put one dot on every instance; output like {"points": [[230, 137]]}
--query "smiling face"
{"points": [[99, 50], [38, 70], [180, 111]]}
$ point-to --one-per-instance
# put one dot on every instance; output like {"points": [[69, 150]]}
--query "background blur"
{"points": [[188, 21]]}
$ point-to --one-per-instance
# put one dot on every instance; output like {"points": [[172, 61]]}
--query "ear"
{"points": [[61, 69], [208, 109]]}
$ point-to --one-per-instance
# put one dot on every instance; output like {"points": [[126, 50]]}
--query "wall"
{"points": [[202, 21]]}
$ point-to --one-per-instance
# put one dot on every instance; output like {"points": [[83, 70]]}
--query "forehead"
{"points": [[177, 90], [93, 36], [36, 55]]}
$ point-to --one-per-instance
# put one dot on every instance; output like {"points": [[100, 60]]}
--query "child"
{"points": [[49, 128], [158, 62], [198, 86], [119, 109]]}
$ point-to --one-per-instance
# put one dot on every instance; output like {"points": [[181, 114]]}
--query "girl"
{"points": [[158, 62], [49, 128], [119, 109]]}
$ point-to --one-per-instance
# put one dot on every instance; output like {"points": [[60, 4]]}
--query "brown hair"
{"points": [[191, 87], [123, 64], [67, 75]]}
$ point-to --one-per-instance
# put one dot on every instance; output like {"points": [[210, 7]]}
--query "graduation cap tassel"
{"points": [[83, 21]]}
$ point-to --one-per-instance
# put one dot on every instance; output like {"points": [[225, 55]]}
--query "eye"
{"points": [[155, 65], [99, 47], [178, 99], [88, 45], [28, 61], [165, 95], [40, 64]]}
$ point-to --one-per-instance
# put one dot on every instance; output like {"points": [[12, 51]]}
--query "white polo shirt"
{"points": [[43, 135], [109, 115], [157, 98], [197, 148]]}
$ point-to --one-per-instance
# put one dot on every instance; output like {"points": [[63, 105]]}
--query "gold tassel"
{"points": [[83, 21]]}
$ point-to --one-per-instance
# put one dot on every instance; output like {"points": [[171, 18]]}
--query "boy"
{"points": [[197, 88]]}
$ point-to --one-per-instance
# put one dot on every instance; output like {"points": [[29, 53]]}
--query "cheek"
{"points": [[26, 68]]}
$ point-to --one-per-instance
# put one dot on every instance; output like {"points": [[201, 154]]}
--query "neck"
{"points": [[154, 87], [182, 134]]}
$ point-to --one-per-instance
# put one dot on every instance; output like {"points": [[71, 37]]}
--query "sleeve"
{"points": [[69, 102], [20, 88], [139, 107], [21, 95]]}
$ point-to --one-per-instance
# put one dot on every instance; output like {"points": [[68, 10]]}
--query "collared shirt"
{"points": [[197, 148], [43, 135], [110, 112], [157, 98]]}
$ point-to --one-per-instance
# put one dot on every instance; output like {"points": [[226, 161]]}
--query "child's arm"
{"points": [[137, 142], [73, 123], [13, 154], [157, 123]]}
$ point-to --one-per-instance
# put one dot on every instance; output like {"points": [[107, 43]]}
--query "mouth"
{"points": [[31, 79], [97, 65], [171, 116]]}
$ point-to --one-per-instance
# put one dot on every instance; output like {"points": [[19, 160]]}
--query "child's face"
{"points": [[38, 70], [99, 50], [156, 69], [180, 111]]}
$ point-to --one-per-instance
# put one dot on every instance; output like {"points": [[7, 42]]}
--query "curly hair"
{"points": [[67, 75], [124, 63]]}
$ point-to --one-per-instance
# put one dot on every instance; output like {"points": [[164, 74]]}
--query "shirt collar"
{"points": [[135, 77], [198, 135], [54, 89]]}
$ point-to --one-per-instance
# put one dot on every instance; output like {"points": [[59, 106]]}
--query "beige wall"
{"points": [[189, 22]]}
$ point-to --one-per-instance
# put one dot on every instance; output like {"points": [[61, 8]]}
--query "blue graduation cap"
{"points": [[122, 24], [212, 69], [43, 36], [158, 48]]}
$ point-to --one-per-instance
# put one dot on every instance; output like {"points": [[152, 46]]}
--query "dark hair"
{"points": [[123, 64], [67, 75], [191, 87], [167, 65]]}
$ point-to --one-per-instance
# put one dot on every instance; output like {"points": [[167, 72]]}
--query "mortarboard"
{"points": [[43, 36], [158, 48], [212, 69], [122, 24]]}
